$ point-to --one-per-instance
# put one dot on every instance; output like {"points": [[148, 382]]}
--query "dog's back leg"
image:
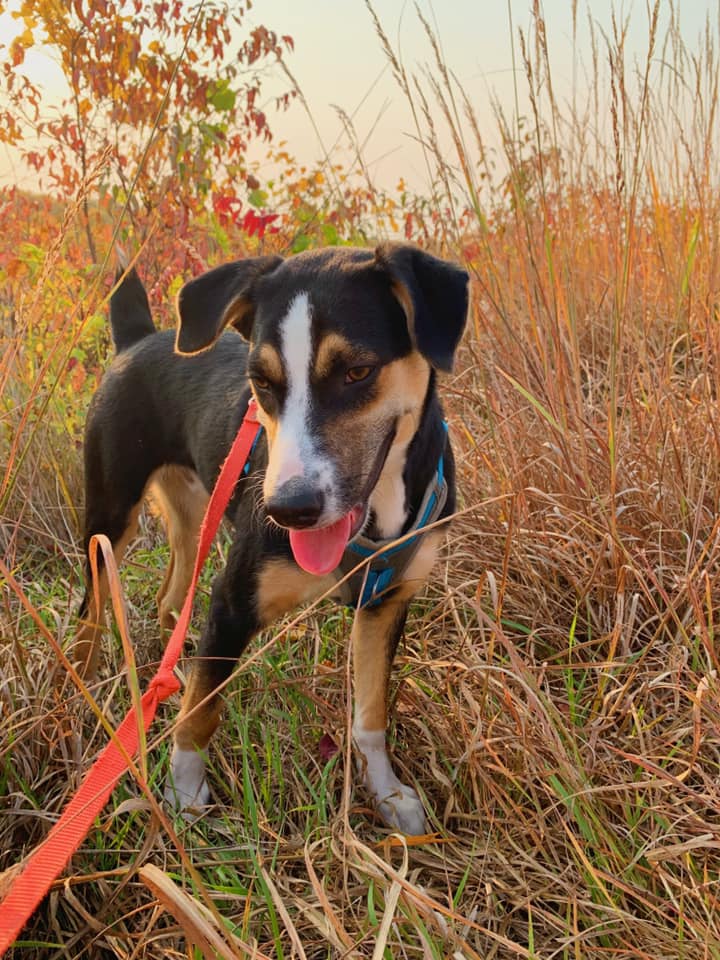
{"points": [[181, 499]]}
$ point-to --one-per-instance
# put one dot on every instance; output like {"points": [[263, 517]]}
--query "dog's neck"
{"points": [[409, 468]]}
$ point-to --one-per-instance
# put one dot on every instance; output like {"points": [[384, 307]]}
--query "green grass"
{"points": [[530, 774]]}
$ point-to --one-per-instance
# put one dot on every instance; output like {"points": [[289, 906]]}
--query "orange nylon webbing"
{"points": [[48, 859]]}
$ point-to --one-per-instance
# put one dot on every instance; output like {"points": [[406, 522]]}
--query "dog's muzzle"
{"points": [[296, 504]]}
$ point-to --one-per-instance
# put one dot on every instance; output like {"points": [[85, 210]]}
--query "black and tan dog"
{"points": [[340, 348]]}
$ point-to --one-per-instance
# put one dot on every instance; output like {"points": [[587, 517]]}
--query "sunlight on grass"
{"points": [[556, 699]]}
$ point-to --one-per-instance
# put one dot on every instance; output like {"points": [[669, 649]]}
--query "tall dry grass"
{"points": [[557, 702]]}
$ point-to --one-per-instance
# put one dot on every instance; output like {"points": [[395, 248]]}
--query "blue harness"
{"points": [[368, 586]]}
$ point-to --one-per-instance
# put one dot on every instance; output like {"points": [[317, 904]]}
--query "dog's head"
{"points": [[342, 342]]}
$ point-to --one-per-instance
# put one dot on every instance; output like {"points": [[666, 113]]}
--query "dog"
{"points": [[340, 348]]}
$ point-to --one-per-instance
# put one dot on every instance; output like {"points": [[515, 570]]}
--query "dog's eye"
{"points": [[357, 374], [260, 383]]}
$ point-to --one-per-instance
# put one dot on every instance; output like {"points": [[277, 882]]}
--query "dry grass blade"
{"points": [[343, 940], [285, 916], [391, 899], [367, 860], [194, 918]]}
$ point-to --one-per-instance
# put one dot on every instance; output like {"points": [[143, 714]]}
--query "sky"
{"points": [[338, 60]]}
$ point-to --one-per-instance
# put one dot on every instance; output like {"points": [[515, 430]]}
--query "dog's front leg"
{"points": [[248, 596], [375, 636], [232, 623]]}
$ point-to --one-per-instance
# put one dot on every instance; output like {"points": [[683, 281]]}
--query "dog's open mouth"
{"points": [[319, 550]]}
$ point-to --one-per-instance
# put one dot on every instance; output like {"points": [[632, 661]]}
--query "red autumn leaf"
{"points": [[227, 208], [327, 748], [255, 224]]}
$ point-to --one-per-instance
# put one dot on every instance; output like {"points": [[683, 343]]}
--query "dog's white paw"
{"points": [[398, 805], [403, 810], [187, 786]]}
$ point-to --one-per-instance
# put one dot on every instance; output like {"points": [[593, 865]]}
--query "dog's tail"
{"points": [[130, 317]]}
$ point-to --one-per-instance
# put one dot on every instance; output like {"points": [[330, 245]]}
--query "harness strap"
{"points": [[368, 586]]}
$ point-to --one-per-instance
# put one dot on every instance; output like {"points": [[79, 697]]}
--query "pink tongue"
{"points": [[320, 551]]}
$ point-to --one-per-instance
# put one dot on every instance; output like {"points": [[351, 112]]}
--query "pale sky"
{"points": [[339, 60]]}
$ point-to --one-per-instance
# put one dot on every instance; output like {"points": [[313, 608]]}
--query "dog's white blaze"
{"points": [[287, 459], [293, 451]]}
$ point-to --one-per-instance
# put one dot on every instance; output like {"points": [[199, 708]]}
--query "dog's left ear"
{"points": [[216, 299], [434, 295]]}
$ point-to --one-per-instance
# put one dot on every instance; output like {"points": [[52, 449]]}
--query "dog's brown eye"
{"points": [[356, 374], [261, 383]]}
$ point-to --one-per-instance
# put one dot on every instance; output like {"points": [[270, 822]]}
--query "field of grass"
{"points": [[557, 697]]}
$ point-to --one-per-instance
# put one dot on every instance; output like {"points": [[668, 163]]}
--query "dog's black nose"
{"points": [[296, 505]]}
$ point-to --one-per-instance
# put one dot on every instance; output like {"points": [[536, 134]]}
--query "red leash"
{"points": [[48, 859]]}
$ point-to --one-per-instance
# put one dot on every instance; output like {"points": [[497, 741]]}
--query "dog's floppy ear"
{"points": [[222, 296], [434, 295]]}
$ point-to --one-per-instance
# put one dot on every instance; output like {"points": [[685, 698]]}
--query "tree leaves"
{"points": [[154, 83]]}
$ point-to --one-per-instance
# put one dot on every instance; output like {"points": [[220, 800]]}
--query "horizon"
{"points": [[479, 47]]}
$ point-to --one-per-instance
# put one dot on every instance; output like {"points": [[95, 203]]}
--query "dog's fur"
{"points": [[340, 347]]}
